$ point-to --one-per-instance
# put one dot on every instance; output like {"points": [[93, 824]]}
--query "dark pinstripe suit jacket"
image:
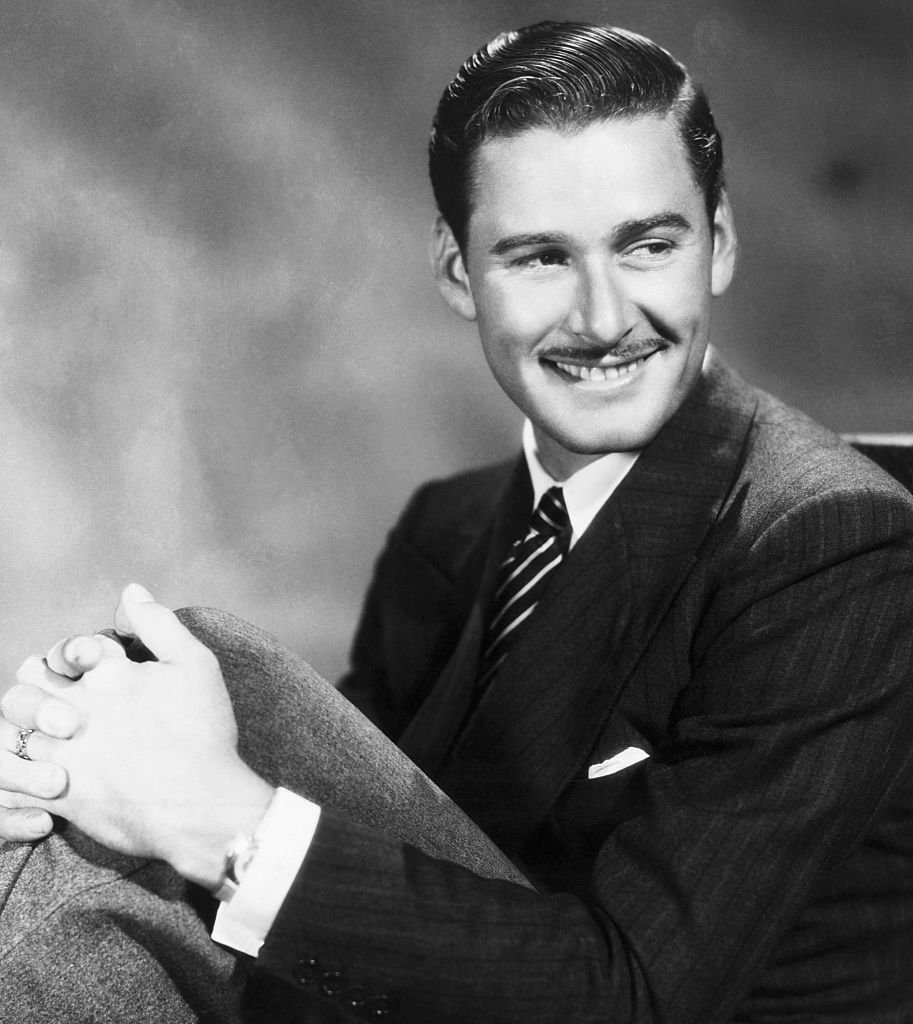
{"points": [[742, 609]]}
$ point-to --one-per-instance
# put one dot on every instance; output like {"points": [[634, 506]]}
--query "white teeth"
{"points": [[600, 373]]}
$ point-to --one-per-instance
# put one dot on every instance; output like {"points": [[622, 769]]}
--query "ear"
{"points": [[725, 247], [449, 271]]}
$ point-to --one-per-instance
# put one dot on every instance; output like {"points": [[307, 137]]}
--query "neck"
{"points": [[558, 461]]}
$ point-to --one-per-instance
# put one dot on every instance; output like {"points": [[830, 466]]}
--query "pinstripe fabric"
{"points": [[522, 579], [741, 609]]}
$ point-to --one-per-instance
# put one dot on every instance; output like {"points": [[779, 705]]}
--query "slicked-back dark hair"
{"points": [[565, 76]]}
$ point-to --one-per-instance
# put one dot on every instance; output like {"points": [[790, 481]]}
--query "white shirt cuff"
{"points": [[283, 838]]}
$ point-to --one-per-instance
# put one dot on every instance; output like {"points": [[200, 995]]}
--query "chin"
{"points": [[627, 440], [627, 433]]}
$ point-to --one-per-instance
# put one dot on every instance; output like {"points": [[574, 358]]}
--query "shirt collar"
{"points": [[586, 491]]}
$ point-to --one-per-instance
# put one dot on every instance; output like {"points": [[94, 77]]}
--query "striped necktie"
{"points": [[522, 579]]}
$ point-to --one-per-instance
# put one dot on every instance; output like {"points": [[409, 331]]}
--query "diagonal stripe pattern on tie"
{"points": [[523, 577]]}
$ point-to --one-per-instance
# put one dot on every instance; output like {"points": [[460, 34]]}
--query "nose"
{"points": [[601, 311]]}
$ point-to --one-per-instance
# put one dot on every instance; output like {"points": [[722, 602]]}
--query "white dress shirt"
{"points": [[284, 834], [586, 491]]}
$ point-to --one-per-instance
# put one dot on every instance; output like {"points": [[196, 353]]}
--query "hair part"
{"points": [[563, 76]]}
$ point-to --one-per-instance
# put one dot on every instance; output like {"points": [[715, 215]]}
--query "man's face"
{"points": [[590, 266]]}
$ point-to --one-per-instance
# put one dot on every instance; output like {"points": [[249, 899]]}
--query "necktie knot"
{"points": [[550, 518]]}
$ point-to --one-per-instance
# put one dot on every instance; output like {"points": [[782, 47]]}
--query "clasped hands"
{"points": [[142, 756]]}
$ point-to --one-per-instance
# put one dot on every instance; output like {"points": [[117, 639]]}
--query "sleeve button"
{"points": [[354, 998], [307, 972], [379, 1007], [332, 983]]}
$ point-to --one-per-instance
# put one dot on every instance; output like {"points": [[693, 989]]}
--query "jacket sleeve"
{"points": [[789, 737]]}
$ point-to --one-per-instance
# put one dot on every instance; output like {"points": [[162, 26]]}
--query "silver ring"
{"points": [[22, 744]]}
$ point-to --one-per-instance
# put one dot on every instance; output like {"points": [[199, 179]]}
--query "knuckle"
{"points": [[49, 781], [202, 658], [25, 781], [12, 779], [10, 701], [32, 666], [209, 660], [9, 820], [56, 718]]}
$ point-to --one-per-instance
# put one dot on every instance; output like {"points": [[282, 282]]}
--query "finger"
{"points": [[35, 767], [30, 707], [133, 593], [138, 614], [27, 766], [75, 655], [24, 824], [24, 780], [111, 646], [35, 671], [79, 654]]}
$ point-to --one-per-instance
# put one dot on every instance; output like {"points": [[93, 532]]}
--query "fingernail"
{"points": [[83, 653], [37, 822], [55, 781], [137, 592], [122, 625]]}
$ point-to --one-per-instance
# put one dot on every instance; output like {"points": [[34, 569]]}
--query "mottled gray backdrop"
{"points": [[224, 365]]}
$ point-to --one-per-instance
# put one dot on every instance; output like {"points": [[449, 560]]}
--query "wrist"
{"points": [[238, 858], [234, 810]]}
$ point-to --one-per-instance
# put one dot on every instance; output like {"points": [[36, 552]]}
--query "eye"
{"points": [[543, 259], [651, 249]]}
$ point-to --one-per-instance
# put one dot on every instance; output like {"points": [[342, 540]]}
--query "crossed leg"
{"points": [[89, 935]]}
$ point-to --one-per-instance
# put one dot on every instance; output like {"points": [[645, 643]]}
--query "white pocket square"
{"points": [[627, 757]]}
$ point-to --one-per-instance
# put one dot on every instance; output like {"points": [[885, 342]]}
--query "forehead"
{"points": [[616, 169]]}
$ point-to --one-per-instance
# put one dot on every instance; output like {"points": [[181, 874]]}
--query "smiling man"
{"points": [[589, 265], [662, 659]]}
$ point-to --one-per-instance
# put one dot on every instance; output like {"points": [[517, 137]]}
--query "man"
{"points": [[682, 705]]}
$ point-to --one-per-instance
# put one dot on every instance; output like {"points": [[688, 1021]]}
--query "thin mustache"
{"points": [[627, 353]]}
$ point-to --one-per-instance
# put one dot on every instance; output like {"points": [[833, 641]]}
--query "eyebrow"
{"points": [[511, 242], [621, 233], [631, 229]]}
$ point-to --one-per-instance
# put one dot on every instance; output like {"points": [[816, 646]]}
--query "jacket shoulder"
{"points": [[453, 505], [791, 459]]}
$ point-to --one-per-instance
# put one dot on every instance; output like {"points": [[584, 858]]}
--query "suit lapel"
{"points": [[430, 734], [545, 710]]}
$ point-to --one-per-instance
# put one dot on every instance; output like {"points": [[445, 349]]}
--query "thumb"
{"points": [[139, 614]]}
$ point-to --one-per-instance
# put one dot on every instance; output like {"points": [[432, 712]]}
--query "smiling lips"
{"points": [[598, 373]]}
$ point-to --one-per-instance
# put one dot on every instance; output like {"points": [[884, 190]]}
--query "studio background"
{"points": [[223, 364]]}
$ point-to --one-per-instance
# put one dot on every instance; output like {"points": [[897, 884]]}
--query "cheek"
{"points": [[516, 318], [681, 304]]}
